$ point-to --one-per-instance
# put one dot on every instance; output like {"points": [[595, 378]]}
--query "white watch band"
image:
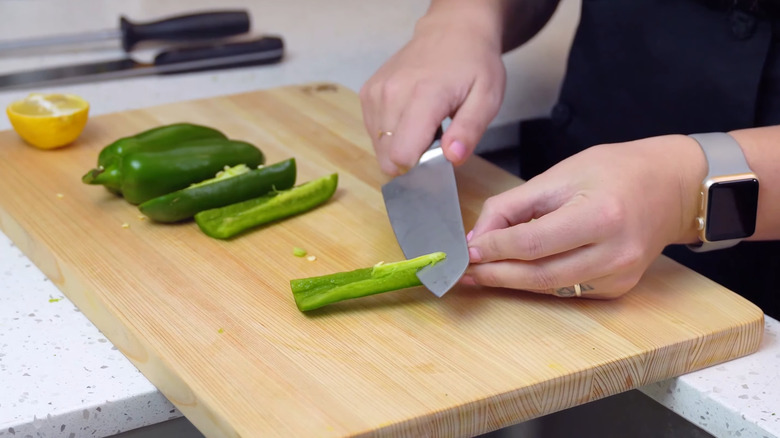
{"points": [[712, 246], [724, 157]]}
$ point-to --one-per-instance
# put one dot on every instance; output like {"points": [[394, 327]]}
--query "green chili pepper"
{"points": [[155, 137], [314, 292], [167, 136], [226, 222], [231, 186], [149, 174]]}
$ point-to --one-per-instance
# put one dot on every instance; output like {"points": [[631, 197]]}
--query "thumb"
{"points": [[469, 124]]}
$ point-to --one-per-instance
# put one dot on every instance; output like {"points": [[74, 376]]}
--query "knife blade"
{"points": [[424, 211], [266, 50], [197, 26]]}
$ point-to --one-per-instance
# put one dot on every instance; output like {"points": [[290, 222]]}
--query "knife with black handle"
{"points": [[265, 50], [206, 25], [189, 27]]}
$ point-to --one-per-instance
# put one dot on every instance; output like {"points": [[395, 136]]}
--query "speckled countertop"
{"points": [[740, 398], [59, 377]]}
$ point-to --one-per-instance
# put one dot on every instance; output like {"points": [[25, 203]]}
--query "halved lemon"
{"points": [[49, 121]]}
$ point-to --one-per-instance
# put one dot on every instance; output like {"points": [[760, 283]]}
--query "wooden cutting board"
{"points": [[213, 324]]}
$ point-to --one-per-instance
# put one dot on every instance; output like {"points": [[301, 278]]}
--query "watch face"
{"points": [[731, 210]]}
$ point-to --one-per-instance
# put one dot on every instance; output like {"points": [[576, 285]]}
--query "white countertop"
{"points": [[740, 398], [60, 377], [58, 374]]}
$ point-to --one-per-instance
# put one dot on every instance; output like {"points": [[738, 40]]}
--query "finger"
{"points": [[383, 104], [571, 226], [611, 276], [418, 123], [604, 288], [395, 97], [599, 288], [527, 201], [469, 123], [558, 271], [595, 288], [388, 128], [370, 106]]}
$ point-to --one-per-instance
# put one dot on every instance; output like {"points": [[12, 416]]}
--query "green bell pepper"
{"points": [[166, 136], [145, 175], [229, 187], [314, 292], [226, 222]]}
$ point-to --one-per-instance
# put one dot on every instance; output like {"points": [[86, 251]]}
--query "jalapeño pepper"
{"points": [[153, 139], [226, 222], [148, 174], [232, 186], [314, 292]]}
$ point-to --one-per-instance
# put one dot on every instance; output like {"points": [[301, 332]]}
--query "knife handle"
{"points": [[266, 50], [205, 25], [438, 134]]}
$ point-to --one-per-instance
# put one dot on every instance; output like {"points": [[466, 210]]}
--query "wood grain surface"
{"points": [[213, 324]]}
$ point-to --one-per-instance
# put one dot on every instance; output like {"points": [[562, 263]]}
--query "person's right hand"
{"points": [[450, 68]]}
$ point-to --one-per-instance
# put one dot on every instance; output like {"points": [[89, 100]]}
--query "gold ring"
{"points": [[577, 290], [383, 133]]}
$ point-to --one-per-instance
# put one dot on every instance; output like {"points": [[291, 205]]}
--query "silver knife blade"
{"points": [[186, 27], [424, 211], [127, 68], [61, 40]]}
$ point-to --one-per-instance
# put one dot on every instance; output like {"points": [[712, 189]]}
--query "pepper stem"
{"points": [[91, 176]]}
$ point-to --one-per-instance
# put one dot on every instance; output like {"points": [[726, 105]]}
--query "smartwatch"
{"points": [[729, 194]]}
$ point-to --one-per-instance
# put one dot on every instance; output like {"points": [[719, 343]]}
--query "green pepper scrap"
{"points": [[144, 175], [153, 139], [314, 292], [226, 222], [231, 186]]}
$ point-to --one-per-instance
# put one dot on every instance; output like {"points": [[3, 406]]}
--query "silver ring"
{"points": [[569, 291]]}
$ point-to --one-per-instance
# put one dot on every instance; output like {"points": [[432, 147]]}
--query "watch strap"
{"points": [[724, 157], [712, 246]]}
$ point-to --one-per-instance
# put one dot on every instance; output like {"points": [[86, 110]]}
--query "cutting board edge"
{"points": [[311, 85], [138, 350], [752, 338]]}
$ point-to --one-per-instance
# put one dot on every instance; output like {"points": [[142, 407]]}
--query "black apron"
{"points": [[641, 68]]}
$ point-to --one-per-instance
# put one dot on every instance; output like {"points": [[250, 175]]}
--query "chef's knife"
{"points": [[261, 51], [198, 26], [424, 211]]}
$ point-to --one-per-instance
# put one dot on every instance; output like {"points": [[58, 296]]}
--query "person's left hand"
{"points": [[598, 219]]}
